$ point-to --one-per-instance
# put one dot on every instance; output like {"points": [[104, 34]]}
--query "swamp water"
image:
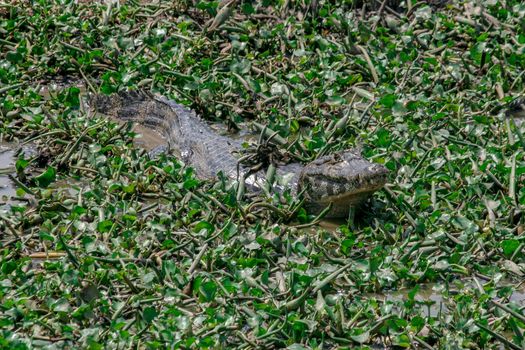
{"points": [[7, 167], [432, 295]]}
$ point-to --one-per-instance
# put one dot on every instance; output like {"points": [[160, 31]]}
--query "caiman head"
{"points": [[344, 179]]}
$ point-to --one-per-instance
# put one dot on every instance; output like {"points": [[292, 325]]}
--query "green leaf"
{"points": [[302, 215], [230, 230], [208, 290], [417, 323], [105, 226], [21, 164], [402, 340], [464, 224], [413, 292], [509, 246], [129, 188], [78, 210], [204, 225], [149, 314], [383, 138], [360, 336], [347, 244], [72, 98], [46, 178], [190, 183], [388, 100], [247, 8], [476, 52], [14, 57]]}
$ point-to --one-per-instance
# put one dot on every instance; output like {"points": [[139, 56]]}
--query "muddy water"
{"points": [[330, 225], [7, 167], [431, 294]]}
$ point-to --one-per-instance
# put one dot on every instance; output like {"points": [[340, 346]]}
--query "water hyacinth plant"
{"points": [[105, 246]]}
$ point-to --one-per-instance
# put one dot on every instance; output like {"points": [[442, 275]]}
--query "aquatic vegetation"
{"points": [[106, 246]]}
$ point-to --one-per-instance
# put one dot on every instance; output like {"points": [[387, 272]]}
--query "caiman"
{"points": [[344, 179]]}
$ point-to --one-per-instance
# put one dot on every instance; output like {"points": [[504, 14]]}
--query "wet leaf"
{"points": [[509, 246], [360, 336], [46, 178], [149, 314]]}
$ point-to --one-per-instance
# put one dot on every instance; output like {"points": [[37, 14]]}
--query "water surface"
{"points": [[7, 167]]}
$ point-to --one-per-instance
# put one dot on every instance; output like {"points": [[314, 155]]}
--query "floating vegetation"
{"points": [[106, 246]]}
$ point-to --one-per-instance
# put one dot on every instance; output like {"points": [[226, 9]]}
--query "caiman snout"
{"points": [[344, 179]]}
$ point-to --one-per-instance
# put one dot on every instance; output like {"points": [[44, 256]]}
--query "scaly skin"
{"points": [[344, 179]]}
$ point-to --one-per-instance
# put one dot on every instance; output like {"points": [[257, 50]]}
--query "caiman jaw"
{"points": [[344, 179]]}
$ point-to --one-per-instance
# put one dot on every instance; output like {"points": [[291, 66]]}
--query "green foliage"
{"points": [[110, 248]]}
